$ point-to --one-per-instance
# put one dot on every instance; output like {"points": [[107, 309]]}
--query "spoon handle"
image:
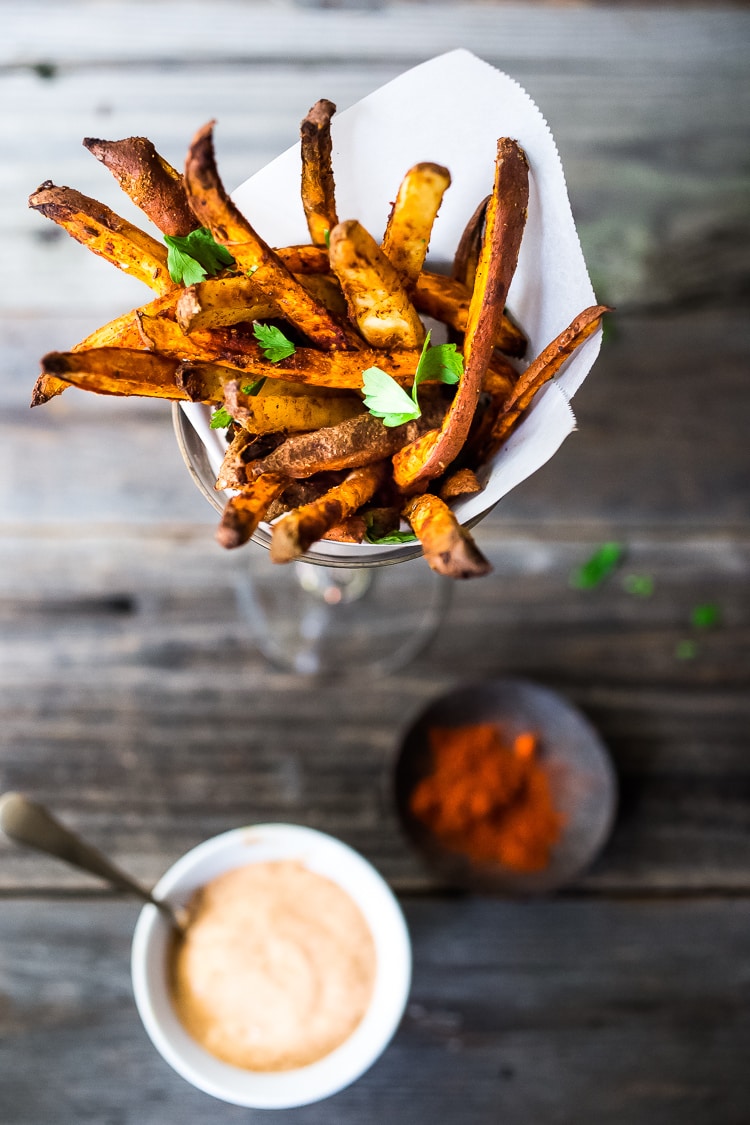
{"points": [[28, 823]]}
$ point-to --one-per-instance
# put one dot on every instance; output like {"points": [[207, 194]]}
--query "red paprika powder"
{"points": [[488, 797]]}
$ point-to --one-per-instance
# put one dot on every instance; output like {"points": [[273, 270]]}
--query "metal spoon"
{"points": [[28, 823]]}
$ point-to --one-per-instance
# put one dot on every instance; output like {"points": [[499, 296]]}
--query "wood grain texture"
{"points": [[628, 1012], [133, 700]]}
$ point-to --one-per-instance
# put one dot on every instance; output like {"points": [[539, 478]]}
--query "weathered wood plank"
{"points": [[627, 92], [132, 699], [548, 1012]]}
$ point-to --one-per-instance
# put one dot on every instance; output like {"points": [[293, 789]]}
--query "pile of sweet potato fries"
{"points": [[303, 350]]}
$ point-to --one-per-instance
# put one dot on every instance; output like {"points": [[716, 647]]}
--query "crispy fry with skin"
{"points": [[466, 257], [318, 190], [219, 302], [409, 227], [378, 302], [461, 483], [204, 380], [289, 413], [544, 368], [152, 183], [298, 530], [358, 441], [431, 454], [117, 371], [352, 530], [216, 211], [244, 511], [244, 447], [448, 548], [105, 234], [448, 300], [304, 259]]}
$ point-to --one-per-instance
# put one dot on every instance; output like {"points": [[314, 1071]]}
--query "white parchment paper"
{"points": [[450, 110]]}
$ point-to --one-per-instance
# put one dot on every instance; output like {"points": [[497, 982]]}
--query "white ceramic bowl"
{"points": [[328, 857]]}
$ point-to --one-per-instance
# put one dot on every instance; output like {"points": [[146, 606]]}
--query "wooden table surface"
{"points": [[134, 702]]}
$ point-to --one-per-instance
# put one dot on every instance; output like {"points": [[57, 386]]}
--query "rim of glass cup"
{"points": [[196, 459], [328, 856]]}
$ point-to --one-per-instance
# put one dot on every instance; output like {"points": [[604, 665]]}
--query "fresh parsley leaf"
{"points": [[220, 419], [641, 585], [393, 537], [273, 342], [385, 399], [327, 237], [253, 388], [441, 363], [195, 256], [598, 567], [705, 616]]}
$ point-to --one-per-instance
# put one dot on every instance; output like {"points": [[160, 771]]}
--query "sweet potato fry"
{"points": [[358, 441], [409, 227], [219, 302], [430, 455], [318, 190], [289, 413], [304, 259], [227, 224], [243, 448], [544, 368], [105, 234], [152, 183], [295, 532], [469, 246], [378, 302], [448, 547], [204, 380], [244, 511], [461, 483], [448, 300], [117, 371]]}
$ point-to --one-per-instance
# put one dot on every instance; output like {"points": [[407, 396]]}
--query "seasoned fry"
{"points": [[544, 368], [204, 380], [378, 302], [295, 532], [217, 212], [448, 300], [466, 259], [152, 183], [105, 234], [350, 444], [430, 455], [461, 483], [219, 302], [409, 227], [243, 448], [318, 191], [244, 511], [291, 414], [448, 547], [117, 371], [304, 259]]}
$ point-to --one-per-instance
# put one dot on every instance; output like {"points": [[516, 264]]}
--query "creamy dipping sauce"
{"points": [[276, 969]]}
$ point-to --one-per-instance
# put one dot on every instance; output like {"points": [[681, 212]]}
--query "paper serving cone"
{"points": [[451, 111]]}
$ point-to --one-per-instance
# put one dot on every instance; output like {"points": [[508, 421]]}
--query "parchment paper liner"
{"points": [[450, 110]]}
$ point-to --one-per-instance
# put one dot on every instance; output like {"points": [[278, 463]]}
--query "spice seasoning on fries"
{"points": [[312, 354], [488, 797]]}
